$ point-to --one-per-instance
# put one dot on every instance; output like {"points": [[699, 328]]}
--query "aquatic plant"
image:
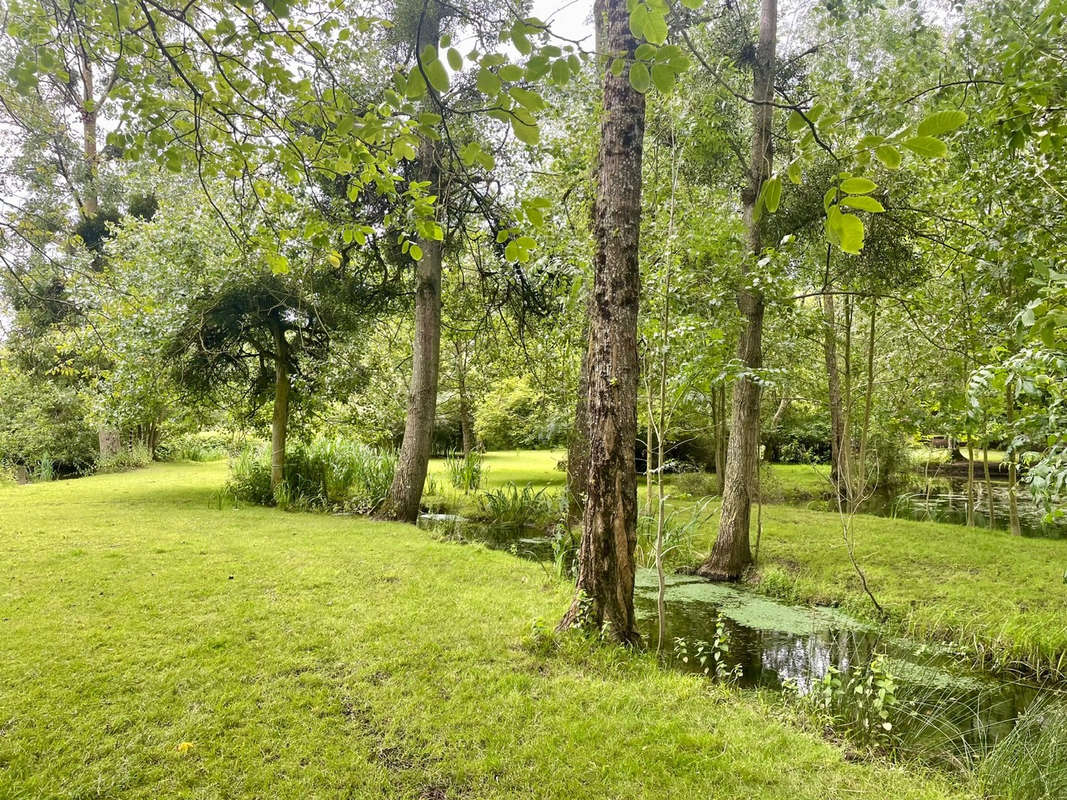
{"points": [[465, 471], [510, 505]]}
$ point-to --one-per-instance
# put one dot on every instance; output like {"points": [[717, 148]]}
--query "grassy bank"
{"points": [[995, 594], [999, 596], [153, 645]]}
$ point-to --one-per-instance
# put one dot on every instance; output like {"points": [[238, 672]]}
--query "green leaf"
{"points": [[927, 147], [525, 132], [617, 66], [858, 185], [416, 85], [526, 98], [415, 252], [638, 19], [656, 27], [773, 194], [511, 72], [867, 142], [888, 155], [693, 4], [793, 171], [522, 44], [488, 82], [795, 123], [437, 75], [639, 77], [864, 203], [942, 122], [455, 60], [561, 72], [828, 198], [663, 77], [851, 228]]}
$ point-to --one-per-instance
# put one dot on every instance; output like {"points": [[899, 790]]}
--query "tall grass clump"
{"points": [[514, 506], [198, 446], [133, 457], [464, 471], [327, 474], [1030, 763], [44, 470]]}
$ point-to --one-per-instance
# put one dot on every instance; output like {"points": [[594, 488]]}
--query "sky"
{"points": [[571, 19]]}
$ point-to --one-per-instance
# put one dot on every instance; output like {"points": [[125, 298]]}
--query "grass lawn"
{"points": [[153, 645]]}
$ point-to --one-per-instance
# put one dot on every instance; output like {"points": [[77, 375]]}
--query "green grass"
{"points": [[499, 468], [999, 596], [153, 645]]}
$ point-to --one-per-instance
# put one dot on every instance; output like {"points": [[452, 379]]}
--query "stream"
{"points": [[941, 706], [944, 499]]}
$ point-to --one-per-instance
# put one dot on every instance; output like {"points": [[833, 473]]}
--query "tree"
{"points": [[731, 553], [605, 580]]}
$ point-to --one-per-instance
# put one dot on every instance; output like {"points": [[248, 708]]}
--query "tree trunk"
{"points": [[1013, 505], [868, 402], [280, 422], [405, 495], [731, 554], [90, 195], [605, 584], [465, 422], [985, 470], [578, 447], [721, 437], [838, 446]]}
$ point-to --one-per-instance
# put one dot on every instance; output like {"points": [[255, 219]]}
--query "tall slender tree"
{"points": [[605, 581], [731, 553]]}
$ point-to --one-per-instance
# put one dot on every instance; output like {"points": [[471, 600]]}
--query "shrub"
{"points": [[513, 415], [327, 474], [44, 420], [697, 484], [133, 457]]}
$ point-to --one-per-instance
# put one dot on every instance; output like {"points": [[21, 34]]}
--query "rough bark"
{"points": [[578, 448], [721, 437], [280, 421], [731, 554], [405, 494], [605, 584]]}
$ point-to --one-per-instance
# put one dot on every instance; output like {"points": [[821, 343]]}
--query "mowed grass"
{"points": [[153, 645]]}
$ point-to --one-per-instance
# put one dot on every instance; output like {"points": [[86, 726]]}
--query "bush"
{"points": [[513, 415], [697, 484], [133, 457], [510, 505], [44, 421], [327, 474]]}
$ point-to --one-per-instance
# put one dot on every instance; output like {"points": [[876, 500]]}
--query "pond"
{"points": [[944, 499], [940, 706]]}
